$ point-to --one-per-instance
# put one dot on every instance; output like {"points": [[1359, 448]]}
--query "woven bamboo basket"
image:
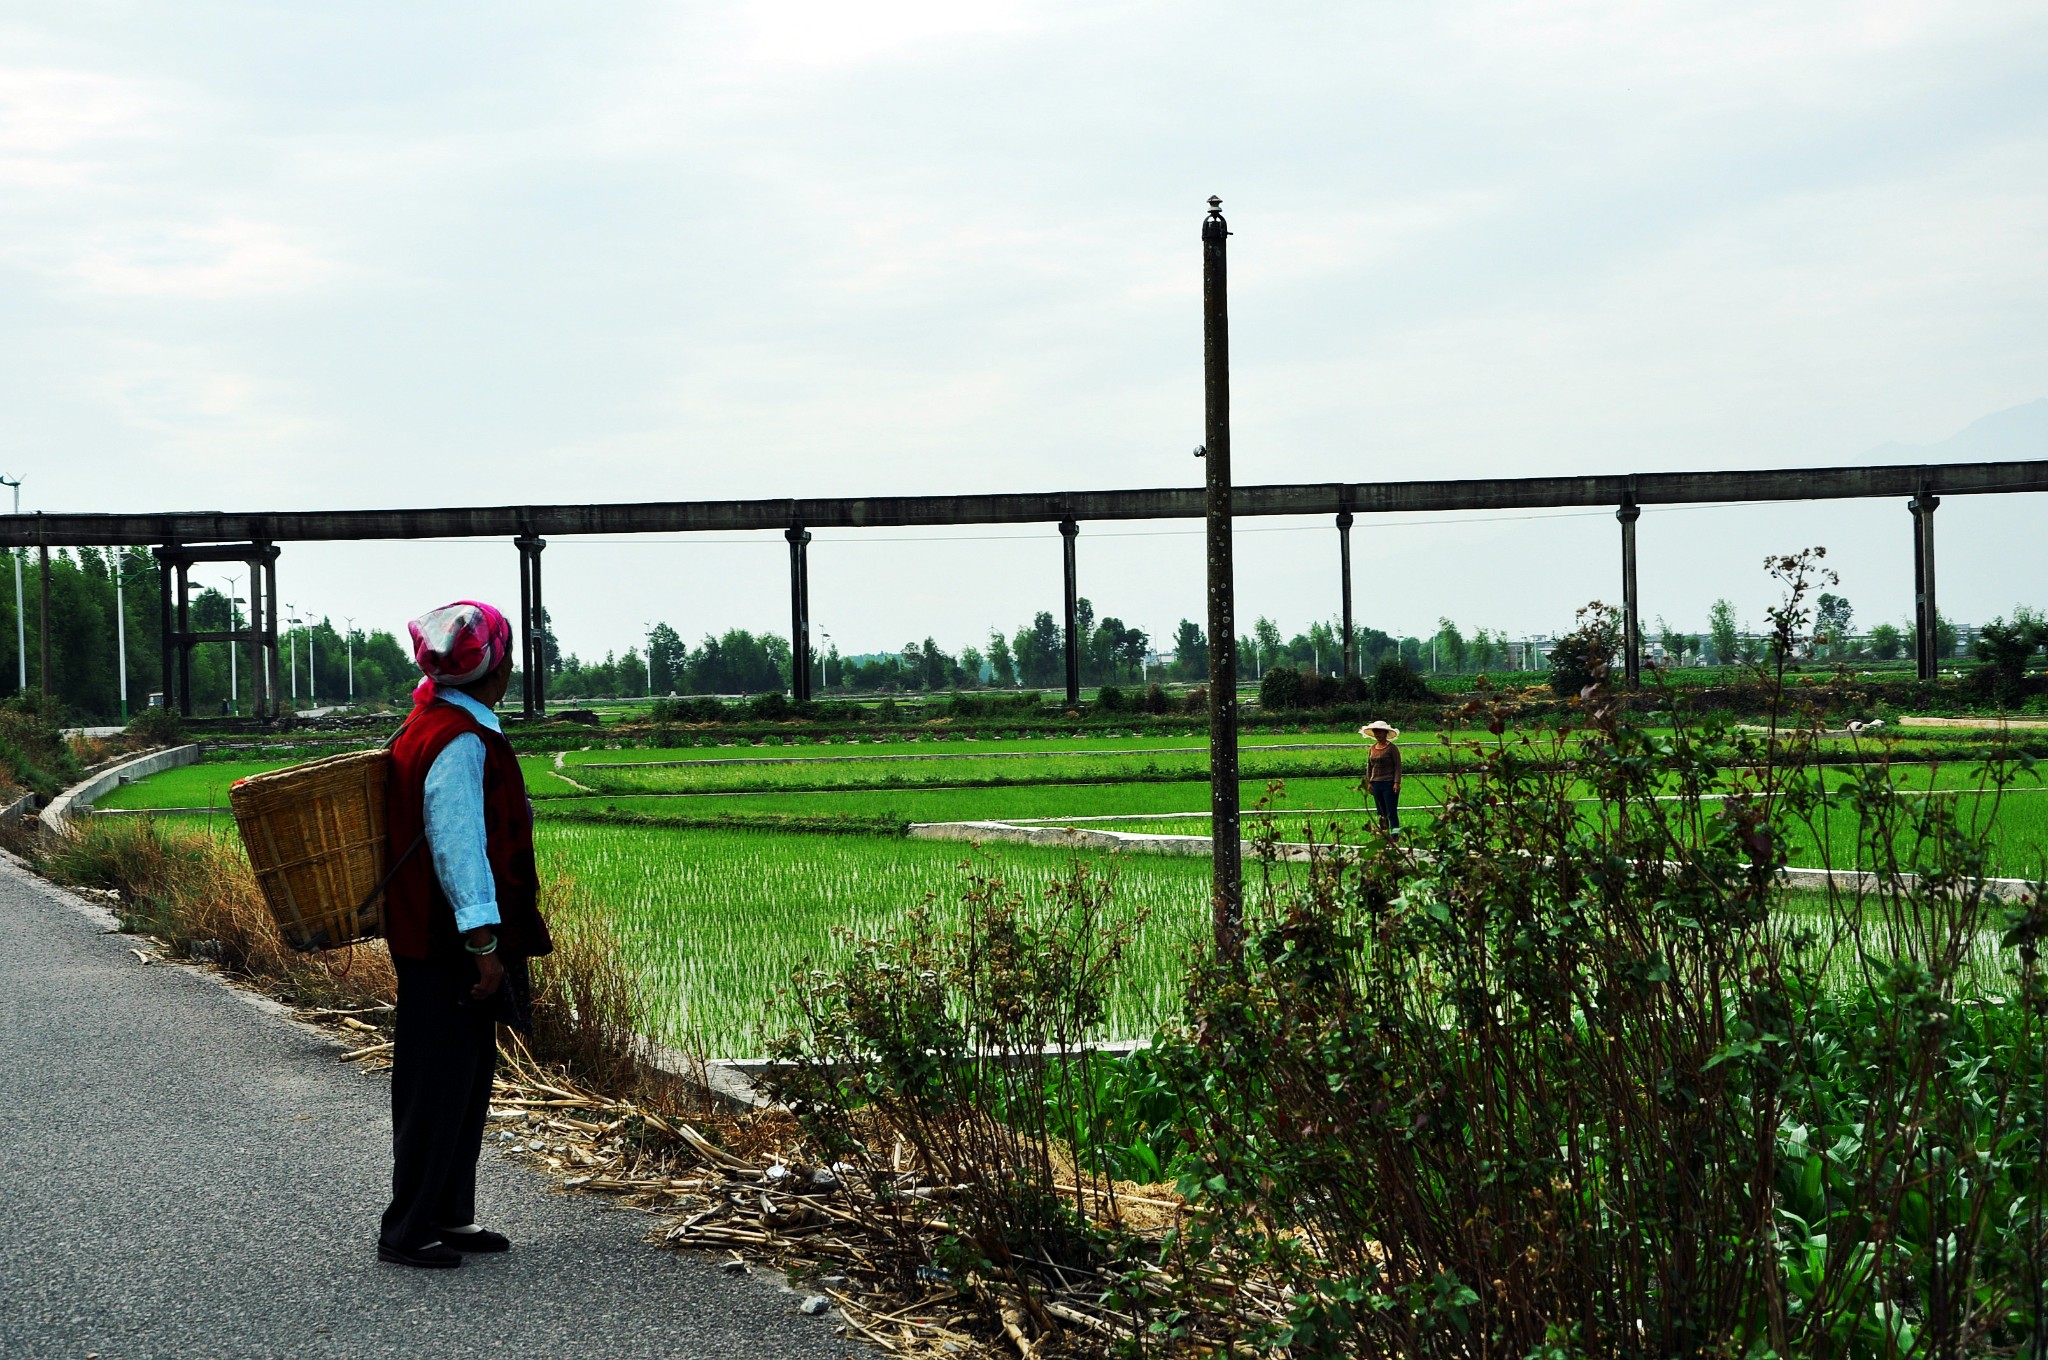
{"points": [[316, 839]]}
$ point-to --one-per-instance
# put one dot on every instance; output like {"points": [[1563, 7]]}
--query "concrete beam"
{"points": [[1325, 498]]}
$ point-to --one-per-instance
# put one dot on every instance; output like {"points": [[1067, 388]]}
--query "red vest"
{"points": [[418, 920]]}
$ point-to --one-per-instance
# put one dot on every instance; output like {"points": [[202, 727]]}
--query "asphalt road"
{"points": [[185, 1174]]}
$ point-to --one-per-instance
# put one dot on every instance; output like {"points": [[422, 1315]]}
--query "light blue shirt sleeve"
{"points": [[456, 835]]}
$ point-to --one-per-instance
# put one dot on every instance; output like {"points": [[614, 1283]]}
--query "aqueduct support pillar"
{"points": [[174, 567], [1069, 530], [1926, 616], [43, 609], [167, 658], [533, 660], [268, 660], [525, 634], [1631, 606], [799, 613], [1344, 558], [184, 637], [262, 619]]}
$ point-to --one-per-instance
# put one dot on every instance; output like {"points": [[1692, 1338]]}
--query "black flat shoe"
{"points": [[432, 1256], [483, 1239]]}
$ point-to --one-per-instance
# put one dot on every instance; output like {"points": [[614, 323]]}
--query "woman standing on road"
{"points": [[1383, 771], [462, 920]]}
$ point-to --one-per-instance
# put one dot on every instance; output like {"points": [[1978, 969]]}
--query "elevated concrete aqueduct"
{"points": [[183, 539]]}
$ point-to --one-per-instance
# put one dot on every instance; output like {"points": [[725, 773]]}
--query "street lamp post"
{"points": [[350, 621], [234, 687], [650, 656], [20, 612], [312, 673], [292, 643]]}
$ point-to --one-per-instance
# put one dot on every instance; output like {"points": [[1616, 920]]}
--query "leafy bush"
{"points": [[1581, 658], [680, 709], [155, 727], [772, 706], [995, 703], [2006, 648], [33, 754], [1556, 1081], [1280, 690], [1394, 683], [1110, 699], [1157, 700]]}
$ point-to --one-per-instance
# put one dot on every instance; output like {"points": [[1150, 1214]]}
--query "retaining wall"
{"points": [[79, 798]]}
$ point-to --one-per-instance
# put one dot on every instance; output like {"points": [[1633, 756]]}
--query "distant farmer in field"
{"points": [[1383, 771], [462, 921]]}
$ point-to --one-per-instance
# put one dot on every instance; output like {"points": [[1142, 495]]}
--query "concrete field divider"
{"points": [[80, 797]]}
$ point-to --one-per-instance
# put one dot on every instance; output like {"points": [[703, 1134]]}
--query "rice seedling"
{"points": [[192, 786], [717, 921]]}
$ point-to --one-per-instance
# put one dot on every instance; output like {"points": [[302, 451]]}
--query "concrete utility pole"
{"points": [[351, 643], [1227, 890], [1631, 606], [291, 641]]}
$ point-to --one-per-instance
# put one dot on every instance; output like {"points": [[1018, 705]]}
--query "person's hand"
{"points": [[489, 973]]}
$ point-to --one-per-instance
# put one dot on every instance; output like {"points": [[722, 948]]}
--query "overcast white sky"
{"points": [[312, 256]]}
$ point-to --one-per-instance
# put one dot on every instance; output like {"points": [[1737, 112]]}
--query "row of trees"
{"points": [[735, 662], [1726, 642], [323, 664], [86, 642]]}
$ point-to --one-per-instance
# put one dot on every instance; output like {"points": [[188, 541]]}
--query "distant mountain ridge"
{"points": [[2014, 433]]}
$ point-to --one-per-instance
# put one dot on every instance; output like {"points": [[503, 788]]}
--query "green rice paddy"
{"points": [[193, 786], [718, 918]]}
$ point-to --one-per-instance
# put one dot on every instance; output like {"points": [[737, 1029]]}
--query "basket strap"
{"points": [[396, 865]]}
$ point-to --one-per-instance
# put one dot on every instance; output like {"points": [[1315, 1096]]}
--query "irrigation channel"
{"points": [[724, 868]]}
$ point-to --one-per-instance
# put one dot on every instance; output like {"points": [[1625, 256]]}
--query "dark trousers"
{"points": [[1388, 803], [443, 1057]]}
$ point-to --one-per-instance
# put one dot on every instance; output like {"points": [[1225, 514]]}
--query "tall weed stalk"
{"points": [[588, 1013], [956, 1056], [194, 891]]}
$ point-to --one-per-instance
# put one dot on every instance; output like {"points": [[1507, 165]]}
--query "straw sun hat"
{"points": [[1380, 725]]}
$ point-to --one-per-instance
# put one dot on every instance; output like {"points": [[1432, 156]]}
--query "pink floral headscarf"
{"points": [[461, 642]]}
